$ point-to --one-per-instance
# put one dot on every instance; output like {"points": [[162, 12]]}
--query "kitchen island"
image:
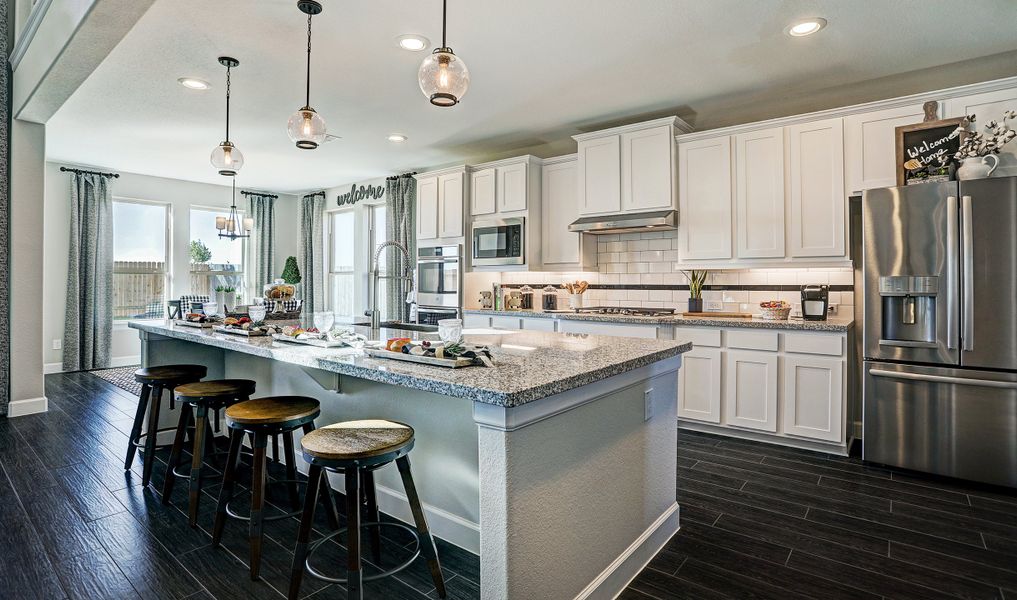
{"points": [[557, 465]]}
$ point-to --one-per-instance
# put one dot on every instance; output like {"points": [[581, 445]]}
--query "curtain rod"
{"points": [[245, 193], [80, 171], [394, 177], [313, 194]]}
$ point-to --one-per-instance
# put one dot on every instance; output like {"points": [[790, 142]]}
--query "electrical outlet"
{"points": [[648, 404], [833, 308], [58, 344], [714, 306]]}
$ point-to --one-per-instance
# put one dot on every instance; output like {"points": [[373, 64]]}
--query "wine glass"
{"points": [[450, 330], [257, 312], [323, 321], [210, 309]]}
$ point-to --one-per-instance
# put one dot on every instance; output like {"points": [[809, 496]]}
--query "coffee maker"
{"points": [[815, 301]]}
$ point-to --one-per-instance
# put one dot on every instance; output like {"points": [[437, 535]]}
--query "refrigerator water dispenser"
{"points": [[909, 310]]}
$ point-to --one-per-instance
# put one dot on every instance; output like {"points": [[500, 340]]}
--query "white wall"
{"points": [[181, 195]]}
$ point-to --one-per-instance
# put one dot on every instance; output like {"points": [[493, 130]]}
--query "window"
{"points": [[341, 263], [215, 261], [379, 237], [140, 257]]}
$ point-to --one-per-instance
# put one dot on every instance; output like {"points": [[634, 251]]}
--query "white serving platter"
{"points": [[243, 332], [421, 360], [315, 343]]}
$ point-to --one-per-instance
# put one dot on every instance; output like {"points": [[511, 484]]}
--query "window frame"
{"points": [[167, 272], [330, 252], [244, 253]]}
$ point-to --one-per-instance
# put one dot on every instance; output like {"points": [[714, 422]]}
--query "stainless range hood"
{"points": [[658, 220]]}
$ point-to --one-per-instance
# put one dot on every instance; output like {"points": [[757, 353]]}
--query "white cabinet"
{"points": [[870, 146], [615, 329], [759, 193], [704, 181], [560, 248], [450, 205], [750, 389], [505, 322], [482, 192], [647, 169], [818, 205], [441, 198], [538, 324], [476, 321], [699, 385], [512, 187], [989, 106], [814, 397], [599, 177], [427, 208]]}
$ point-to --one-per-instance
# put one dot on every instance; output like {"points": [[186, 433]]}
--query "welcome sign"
{"points": [[921, 146], [358, 192]]}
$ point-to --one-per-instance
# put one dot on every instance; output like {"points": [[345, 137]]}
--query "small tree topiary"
{"points": [[291, 273], [200, 253]]}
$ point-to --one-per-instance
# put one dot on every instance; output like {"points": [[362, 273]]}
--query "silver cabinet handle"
{"points": [[968, 335], [951, 272], [1009, 385]]}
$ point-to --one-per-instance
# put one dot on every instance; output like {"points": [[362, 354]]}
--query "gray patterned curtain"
{"points": [[5, 165], [400, 226], [262, 209], [310, 255], [88, 325]]}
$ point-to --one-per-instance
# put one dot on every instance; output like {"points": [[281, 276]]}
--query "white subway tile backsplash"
{"points": [[625, 237], [752, 278], [735, 296], [629, 279], [639, 267], [841, 278], [609, 278], [651, 279], [812, 276], [660, 267], [637, 245], [638, 295], [659, 244]]}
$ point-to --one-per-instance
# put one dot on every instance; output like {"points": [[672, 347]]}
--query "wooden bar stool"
{"points": [[355, 448], [260, 419], [153, 381], [200, 398]]}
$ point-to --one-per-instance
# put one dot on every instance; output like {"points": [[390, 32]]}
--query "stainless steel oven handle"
{"points": [[1009, 385], [951, 272], [968, 335]]}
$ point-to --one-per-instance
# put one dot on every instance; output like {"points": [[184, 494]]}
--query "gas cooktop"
{"points": [[627, 310]]}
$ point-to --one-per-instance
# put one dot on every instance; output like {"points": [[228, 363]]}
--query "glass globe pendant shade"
{"points": [[227, 159], [306, 128], [443, 77]]}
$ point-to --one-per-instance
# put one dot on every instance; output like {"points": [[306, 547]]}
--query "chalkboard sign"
{"points": [[920, 146]]}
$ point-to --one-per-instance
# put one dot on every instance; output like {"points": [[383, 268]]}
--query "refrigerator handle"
{"points": [[968, 255], [952, 248], [1008, 385]]}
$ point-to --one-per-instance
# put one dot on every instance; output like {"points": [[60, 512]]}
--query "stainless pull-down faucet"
{"points": [[376, 276]]}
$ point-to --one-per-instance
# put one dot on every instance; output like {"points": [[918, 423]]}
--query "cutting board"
{"points": [[725, 315]]}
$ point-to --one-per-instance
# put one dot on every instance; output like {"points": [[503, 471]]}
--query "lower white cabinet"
{"points": [[615, 329], [503, 322], [750, 389], [476, 321], [699, 385], [814, 397], [538, 324]]}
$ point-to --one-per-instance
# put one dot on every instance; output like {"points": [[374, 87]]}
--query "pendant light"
{"points": [[306, 127], [443, 76], [226, 157], [230, 226]]}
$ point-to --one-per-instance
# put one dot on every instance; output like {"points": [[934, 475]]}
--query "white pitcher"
{"points": [[977, 167]]}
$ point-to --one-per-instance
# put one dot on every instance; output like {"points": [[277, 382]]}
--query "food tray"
{"points": [[205, 325], [243, 332], [315, 343], [422, 360]]}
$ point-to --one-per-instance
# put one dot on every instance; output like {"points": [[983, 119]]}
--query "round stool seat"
{"points": [[170, 374], [280, 412], [220, 388], [360, 441]]}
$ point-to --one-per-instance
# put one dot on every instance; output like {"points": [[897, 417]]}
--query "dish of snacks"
{"points": [[336, 338], [197, 320], [774, 310], [279, 291], [245, 326], [454, 354]]}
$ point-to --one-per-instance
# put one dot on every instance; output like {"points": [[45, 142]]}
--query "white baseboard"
{"points": [[28, 406], [777, 440], [120, 361], [617, 576], [50, 368]]}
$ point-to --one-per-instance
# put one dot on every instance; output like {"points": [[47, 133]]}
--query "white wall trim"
{"points": [[28, 33], [28, 406], [50, 368], [118, 361], [617, 576]]}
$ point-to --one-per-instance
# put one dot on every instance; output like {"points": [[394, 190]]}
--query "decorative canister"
{"points": [[977, 167], [527, 292], [550, 298], [575, 301]]}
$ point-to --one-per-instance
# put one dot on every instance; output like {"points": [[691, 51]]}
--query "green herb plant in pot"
{"points": [[696, 281]]}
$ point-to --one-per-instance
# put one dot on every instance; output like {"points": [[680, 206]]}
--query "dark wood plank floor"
{"points": [[758, 521], [761, 521]]}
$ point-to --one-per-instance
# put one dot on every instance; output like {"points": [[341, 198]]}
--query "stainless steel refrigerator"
{"points": [[939, 287]]}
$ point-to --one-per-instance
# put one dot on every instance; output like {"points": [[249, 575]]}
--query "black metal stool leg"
{"points": [[139, 420], [153, 432], [257, 502], [354, 581], [228, 485], [372, 515], [291, 470], [331, 508], [178, 446], [197, 458], [427, 546], [314, 476]]}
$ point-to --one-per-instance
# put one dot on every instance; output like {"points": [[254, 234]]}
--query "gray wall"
{"points": [[5, 110]]}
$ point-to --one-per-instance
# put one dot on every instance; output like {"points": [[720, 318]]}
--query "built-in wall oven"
{"points": [[439, 283], [499, 242]]}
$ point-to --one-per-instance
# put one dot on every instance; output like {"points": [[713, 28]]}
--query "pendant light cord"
{"points": [[307, 98], [444, 18], [227, 103]]}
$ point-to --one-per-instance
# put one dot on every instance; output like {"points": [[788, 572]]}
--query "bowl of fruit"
{"points": [[774, 310]]}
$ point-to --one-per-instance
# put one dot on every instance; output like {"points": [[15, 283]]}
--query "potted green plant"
{"points": [[291, 274], [696, 281]]}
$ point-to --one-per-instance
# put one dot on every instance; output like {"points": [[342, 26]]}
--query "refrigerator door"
{"points": [[910, 246], [954, 422], [989, 273]]}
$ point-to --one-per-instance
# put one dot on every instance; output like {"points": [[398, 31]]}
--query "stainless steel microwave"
{"points": [[499, 242]]}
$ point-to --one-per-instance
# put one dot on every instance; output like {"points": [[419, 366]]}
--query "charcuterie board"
{"points": [[316, 343], [195, 324], [236, 331], [422, 360]]}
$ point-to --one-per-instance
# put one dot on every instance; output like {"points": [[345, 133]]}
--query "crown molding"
{"points": [[445, 171], [515, 160], [677, 123], [28, 33], [557, 160]]}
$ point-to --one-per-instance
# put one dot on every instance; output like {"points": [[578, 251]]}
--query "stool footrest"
{"points": [[235, 515], [342, 580]]}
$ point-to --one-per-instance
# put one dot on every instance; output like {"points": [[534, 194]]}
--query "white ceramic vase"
{"points": [[977, 167]]}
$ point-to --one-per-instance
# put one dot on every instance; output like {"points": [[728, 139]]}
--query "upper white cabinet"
{"points": [[989, 106], [505, 186], [450, 205], [561, 249], [870, 146], [512, 187], [704, 181], [427, 208], [628, 169], [482, 192], [441, 198], [759, 193], [818, 205]]}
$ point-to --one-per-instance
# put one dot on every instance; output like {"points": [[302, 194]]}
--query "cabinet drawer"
{"points": [[538, 324], [476, 321], [615, 329], [752, 340], [699, 336], [505, 322], [812, 343]]}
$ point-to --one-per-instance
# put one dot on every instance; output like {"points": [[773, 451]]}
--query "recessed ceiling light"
{"points": [[193, 83], [806, 27], [397, 137], [413, 42]]}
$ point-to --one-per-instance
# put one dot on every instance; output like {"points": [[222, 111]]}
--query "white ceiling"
{"points": [[541, 70]]}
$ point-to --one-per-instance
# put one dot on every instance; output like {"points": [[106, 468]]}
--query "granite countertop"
{"points": [[530, 365], [836, 324]]}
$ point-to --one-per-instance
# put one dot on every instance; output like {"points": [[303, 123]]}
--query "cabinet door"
{"points": [[427, 208], [476, 321], [870, 146], [560, 207], [647, 170], [750, 389], [615, 329], [538, 324], [759, 193], [818, 202], [704, 183], [482, 192], [450, 205], [600, 176], [814, 397], [512, 188], [699, 385], [986, 107], [503, 322]]}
